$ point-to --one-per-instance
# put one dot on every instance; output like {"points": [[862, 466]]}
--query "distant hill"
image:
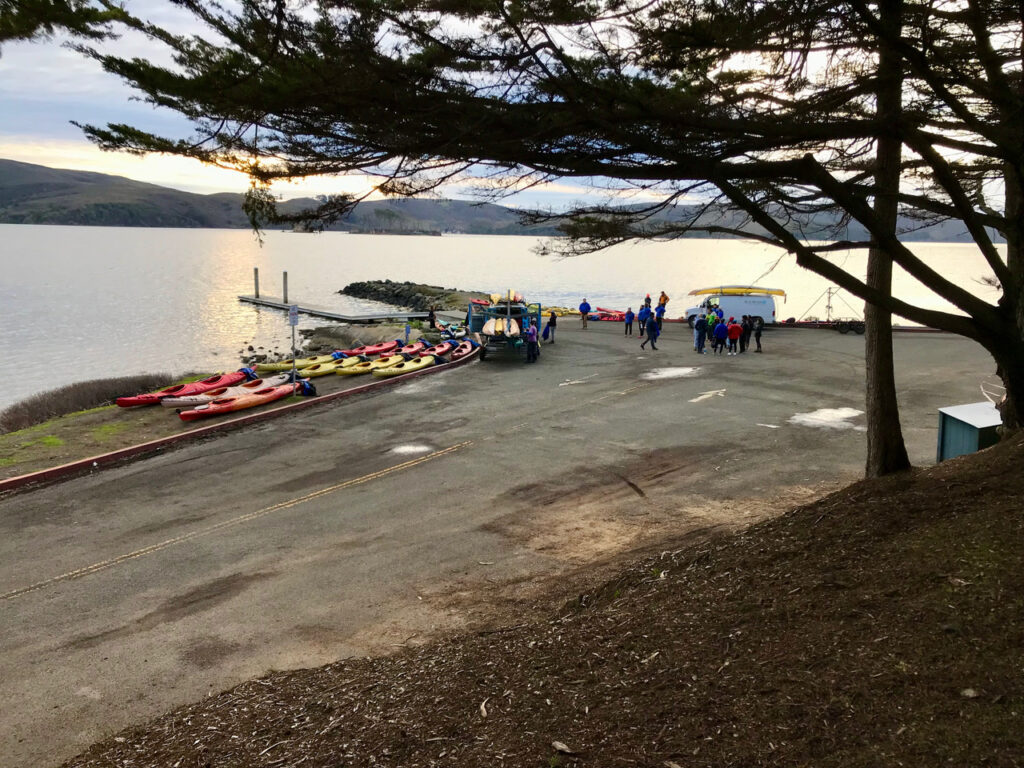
{"points": [[35, 194]]}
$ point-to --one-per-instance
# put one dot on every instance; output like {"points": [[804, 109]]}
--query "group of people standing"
{"points": [[649, 320], [728, 336], [713, 326]]}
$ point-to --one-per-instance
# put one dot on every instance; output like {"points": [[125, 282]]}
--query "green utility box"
{"points": [[966, 429]]}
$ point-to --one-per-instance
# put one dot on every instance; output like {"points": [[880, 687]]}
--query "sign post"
{"points": [[293, 320], [407, 329]]}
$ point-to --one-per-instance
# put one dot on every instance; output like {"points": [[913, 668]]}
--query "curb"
{"points": [[119, 456]]}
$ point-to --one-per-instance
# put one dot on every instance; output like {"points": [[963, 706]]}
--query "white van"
{"points": [[759, 307]]}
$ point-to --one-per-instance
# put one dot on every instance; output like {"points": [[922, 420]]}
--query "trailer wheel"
{"points": [[483, 351], [692, 319], [843, 327], [859, 328]]}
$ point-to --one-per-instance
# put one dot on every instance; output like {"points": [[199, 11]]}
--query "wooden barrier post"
{"points": [[285, 299], [256, 280]]}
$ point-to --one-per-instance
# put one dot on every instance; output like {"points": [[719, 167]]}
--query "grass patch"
{"points": [[74, 398], [107, 431], [51, 441]]}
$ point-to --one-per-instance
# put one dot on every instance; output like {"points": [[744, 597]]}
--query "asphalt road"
{"points": [[365, 525]]}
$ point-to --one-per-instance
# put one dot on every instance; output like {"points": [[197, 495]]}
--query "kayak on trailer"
{"points": [[439, 349], [368, 365], [406, 366], [240, 402], [192, 388], [299, 362], [188, 401], [464, 348], [384, 348]]}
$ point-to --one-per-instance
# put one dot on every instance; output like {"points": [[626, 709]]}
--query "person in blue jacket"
{"points": [[642, 316], [628, 317], [652, 334], [659, 313], [700, 328], [584, 311], [721, 334]]}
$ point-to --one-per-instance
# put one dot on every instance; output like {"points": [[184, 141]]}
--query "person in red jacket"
{"points": [[735, 330]]}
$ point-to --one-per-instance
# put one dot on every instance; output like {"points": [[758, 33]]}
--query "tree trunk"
{"points": [[886, 450], [1010, 362]]}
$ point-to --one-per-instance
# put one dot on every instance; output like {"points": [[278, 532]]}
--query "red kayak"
{"points": [[414, 348], [384, 348], [183, 390], [240, 402], [439, 349], [462, 350]]}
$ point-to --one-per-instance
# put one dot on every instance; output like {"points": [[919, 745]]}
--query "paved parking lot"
{"points": [[359, 527]]}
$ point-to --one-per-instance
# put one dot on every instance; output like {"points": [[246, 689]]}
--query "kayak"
{"points": [[414, 348], [187, 401], [439, 349], [406, 366], [384, 348], [181, 390], [322, 369], [240, 402], [462, 350], [300, 362], [737, 290], [368, 365]]}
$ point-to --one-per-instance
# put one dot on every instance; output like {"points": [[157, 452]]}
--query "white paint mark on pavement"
{"points": [[668, 373], [570, 382], [770, 426], [404, 450], [708, 395], [829, 418]]}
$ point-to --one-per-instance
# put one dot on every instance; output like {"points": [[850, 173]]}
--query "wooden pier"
{"points": [[379, 317]]}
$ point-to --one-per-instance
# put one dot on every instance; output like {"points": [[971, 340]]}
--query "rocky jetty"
{"points": [[416, 296]]}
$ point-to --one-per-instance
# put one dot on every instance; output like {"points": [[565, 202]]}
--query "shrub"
{"points": [[76, 397]]}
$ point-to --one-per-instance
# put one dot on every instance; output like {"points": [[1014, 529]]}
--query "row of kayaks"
{"points": [[246, 388], [349, 362], [222, 393]]}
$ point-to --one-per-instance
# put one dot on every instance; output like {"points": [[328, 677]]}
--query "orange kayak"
{"points": [[241, 402]]}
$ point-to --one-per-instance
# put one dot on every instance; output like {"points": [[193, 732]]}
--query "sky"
{"points": [[44, 86]]}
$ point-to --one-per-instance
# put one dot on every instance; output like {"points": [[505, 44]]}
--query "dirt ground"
{"points": [[880, 625]]}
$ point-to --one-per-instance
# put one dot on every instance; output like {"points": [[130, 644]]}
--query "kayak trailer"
{"points": [[501, 325]]}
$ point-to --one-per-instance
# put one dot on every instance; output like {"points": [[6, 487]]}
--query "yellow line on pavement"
{"points": [[249, 516]]}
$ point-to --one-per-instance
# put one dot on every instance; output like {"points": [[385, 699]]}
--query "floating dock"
{"points": [[378, 317]]}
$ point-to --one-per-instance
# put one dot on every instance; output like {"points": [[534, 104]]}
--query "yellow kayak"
{"points": [[322, 369], [301, 362], [369, 365], [737, 290], [406, 366]]}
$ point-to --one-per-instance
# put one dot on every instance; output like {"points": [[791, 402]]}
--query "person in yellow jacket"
{"points": [[663, 299]]}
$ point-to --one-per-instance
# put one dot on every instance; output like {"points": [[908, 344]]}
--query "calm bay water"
{"points": [[80, 303]]}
